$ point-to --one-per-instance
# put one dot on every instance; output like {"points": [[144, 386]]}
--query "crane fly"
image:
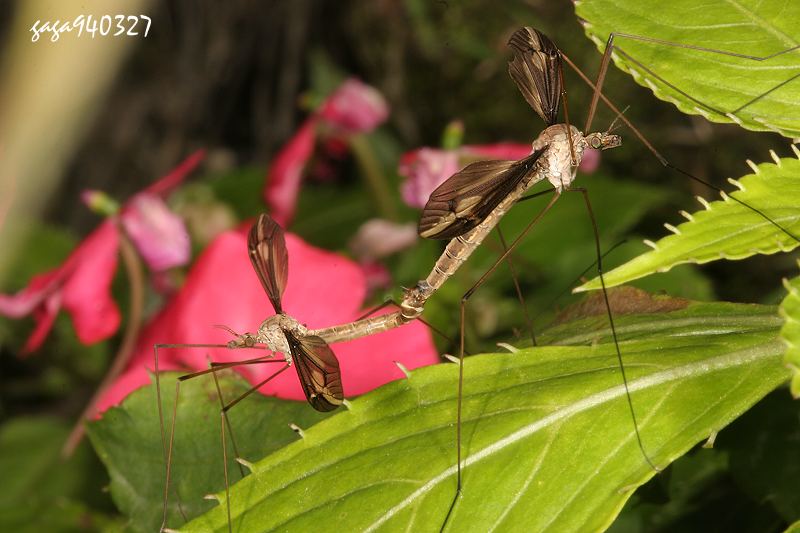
{"points": [[316, 365]]}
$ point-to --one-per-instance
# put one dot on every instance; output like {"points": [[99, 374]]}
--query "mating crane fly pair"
{"points": [[463, 209]]}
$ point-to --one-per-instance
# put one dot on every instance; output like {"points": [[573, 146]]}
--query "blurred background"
{"points": [[239, 80]]}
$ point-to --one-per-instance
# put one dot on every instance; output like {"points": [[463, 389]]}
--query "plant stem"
{"points": [[376, 181], [133, 268]]}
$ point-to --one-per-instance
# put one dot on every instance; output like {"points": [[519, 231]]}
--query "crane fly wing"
{"points": [[270, 259], [467, 197], [536, 69], [318, 370]]}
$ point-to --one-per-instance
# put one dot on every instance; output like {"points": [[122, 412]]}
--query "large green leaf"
{"points": [[547, 433], [726, 229], [722, 88], [790, 332], [128, 441]]}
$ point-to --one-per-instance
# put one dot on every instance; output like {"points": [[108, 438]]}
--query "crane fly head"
{"points": [[603, 141]]}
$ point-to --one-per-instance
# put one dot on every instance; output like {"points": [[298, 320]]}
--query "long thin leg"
{"points": [[166, 445], [225, 421], [512, 270], [251, 390], [611, 323], [534, 195], [464, 300], [611, 47], [574, 282], [573, 160], [156, 347], [663, 160], [167, 440]]}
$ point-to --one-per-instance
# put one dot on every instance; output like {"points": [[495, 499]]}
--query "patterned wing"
{"points": [[318, 370], [270, 259], [536, 69], [469, 196]]}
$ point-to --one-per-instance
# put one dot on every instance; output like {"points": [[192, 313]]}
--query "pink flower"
{"points": [[590, 160], [353, 108], [221, 288], [157, 232], [376, 275], [378, 238], [82, 285], [427, 168], [285, 173]]}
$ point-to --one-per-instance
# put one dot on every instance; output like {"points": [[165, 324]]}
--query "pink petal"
{"points": [[25, 301], [45, 316], [590, 160], [323, 289], [369, 362], [378, 238], [355, 107], [87, 292], [377, 275], [159, 234], [425, 169], [82, 285], [285, 173], [169, 182]]}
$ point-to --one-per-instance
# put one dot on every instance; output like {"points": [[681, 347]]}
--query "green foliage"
{"points": [[790, 333], [41, 491], [236, 190], [45, 248], [726, 229], [722, 88], [128, 441], [762, 450], [547, 432]]}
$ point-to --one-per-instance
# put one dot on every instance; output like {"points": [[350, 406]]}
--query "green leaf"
{"points": [[41, 490], [790, 332], [547, 433], [667, 502], [719, 87], [568, 229], [241, 190], [128, 441], [726, 229]]}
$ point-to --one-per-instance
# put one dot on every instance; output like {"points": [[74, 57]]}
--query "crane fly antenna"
{"points": [[615, 123]]}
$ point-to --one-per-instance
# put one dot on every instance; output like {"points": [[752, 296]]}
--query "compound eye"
{"points": [[595, 143]]}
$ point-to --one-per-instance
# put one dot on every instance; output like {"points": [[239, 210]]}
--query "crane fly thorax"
{"points": [[557, 164], [271, 332]]}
